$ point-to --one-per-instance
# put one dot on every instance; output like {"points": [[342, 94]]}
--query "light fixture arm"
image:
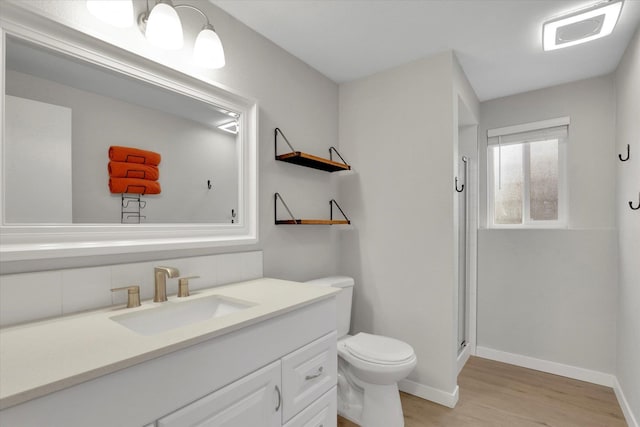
{"points": [[188, 6], [142, 18]]}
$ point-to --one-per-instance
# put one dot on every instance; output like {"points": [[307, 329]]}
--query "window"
{"points": [[526, 175]]}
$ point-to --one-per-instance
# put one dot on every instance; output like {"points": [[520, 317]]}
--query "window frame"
{"points": [[527, 222]]}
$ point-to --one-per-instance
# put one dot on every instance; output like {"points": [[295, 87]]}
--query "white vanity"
{"points": [[270, 363]]}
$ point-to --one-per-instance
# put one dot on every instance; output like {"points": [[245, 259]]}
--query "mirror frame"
{"points": [[20, 242]]}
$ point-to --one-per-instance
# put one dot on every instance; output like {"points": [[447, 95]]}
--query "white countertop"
{"points": [[39, 358]]}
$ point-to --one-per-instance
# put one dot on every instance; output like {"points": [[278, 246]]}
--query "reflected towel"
{"points": [[134, 186], [133, 155], [133, 170]]}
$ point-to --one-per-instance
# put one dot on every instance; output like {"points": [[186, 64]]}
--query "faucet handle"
{"points": [[183, 286], [133, 296]]}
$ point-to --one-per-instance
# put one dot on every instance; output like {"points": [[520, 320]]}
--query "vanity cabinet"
{"points": [[234, 380], [296, 391]]}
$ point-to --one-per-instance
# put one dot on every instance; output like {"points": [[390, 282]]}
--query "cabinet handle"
{"points": [[279, 398], [310, 377]]}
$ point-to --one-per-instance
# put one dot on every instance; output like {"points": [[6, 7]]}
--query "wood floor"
{"points": [[495, 394]]}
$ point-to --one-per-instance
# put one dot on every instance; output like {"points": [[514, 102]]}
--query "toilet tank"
{"points": [[343, 299]]}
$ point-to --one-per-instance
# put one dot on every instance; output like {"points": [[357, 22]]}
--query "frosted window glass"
{"points": [[508, 184], [543, 180]]}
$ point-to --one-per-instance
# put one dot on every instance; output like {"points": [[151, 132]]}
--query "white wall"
{"points": [[191, 153], [397, 128], [38, 177], [291, 96], [628, 186], [62, 292], [551, 294]]}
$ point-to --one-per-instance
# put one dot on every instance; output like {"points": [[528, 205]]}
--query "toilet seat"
{"points": [[378, 349]]}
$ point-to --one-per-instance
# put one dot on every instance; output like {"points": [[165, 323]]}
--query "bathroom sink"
{"points": [[175, 314]]}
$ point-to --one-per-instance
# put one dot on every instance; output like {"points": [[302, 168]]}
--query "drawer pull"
{"points": [[310, 377], [279, 398]]}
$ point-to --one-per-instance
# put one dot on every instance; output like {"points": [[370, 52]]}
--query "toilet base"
{"points": [[382, 406], [369, 405]]}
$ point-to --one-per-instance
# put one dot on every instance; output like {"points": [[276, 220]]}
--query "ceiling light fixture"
{"points": [[581, 26]]}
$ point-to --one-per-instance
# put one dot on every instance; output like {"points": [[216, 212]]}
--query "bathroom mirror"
{"points": [[62, 115], [77, 114]]}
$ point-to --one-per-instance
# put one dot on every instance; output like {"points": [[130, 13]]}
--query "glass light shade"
{"points": [[164, 29], [118, 13], [208, 51]]}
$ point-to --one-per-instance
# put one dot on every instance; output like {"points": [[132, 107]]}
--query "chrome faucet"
{"points": [[161, 274]]}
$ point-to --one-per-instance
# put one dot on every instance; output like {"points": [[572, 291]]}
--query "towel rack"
{"points": [[130, 207]]}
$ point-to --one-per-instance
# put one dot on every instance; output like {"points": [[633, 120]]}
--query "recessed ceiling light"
{"points": [[582, 25]]}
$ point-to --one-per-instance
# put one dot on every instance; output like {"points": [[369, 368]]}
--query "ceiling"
{"points": [[497, 42]]}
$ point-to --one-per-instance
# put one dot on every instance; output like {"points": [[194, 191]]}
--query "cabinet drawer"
{"points": [[321, 413], [308, 373]]}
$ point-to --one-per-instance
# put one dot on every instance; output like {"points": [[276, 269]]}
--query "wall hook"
{"points": [[637, 207], [620, 155], [461, 189], [209, 184]]}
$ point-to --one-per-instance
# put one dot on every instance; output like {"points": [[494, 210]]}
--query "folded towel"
{"points": [[133, 170], [134, 186], [133, 155]]}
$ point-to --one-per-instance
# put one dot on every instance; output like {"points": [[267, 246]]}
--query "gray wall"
{"points": [[291, 95], [398, 128], [628, 132], [552, 294]]}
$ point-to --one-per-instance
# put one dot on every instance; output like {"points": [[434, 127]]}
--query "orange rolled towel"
{"points": [[134, 186], [133, 155], [133, 170]]}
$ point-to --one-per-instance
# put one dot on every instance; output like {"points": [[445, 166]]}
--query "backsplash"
{"points": [[28, 297]]}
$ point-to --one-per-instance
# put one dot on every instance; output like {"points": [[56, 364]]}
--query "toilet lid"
{"points": [[378, 349]]}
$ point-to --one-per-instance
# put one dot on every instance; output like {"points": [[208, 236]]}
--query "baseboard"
{"points": [[429, 393], [626, 408], [555, 368], [463, 357]]}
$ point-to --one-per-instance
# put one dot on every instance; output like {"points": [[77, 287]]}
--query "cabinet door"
{"points": [[252, 401]]}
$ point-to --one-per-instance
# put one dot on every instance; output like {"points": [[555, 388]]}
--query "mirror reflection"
{"points": [[85, 144]]}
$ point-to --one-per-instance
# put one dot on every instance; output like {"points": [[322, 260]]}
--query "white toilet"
{"points": [[369, 367]]}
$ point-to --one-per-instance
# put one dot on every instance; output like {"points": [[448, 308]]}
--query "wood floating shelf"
{"points": [[313, 221], [294, 221], [311, 161]]}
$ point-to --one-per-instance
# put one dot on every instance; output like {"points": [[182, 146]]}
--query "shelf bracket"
{"points": [[275, 136], [277, 196], [332, 148], [333, 202]]}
